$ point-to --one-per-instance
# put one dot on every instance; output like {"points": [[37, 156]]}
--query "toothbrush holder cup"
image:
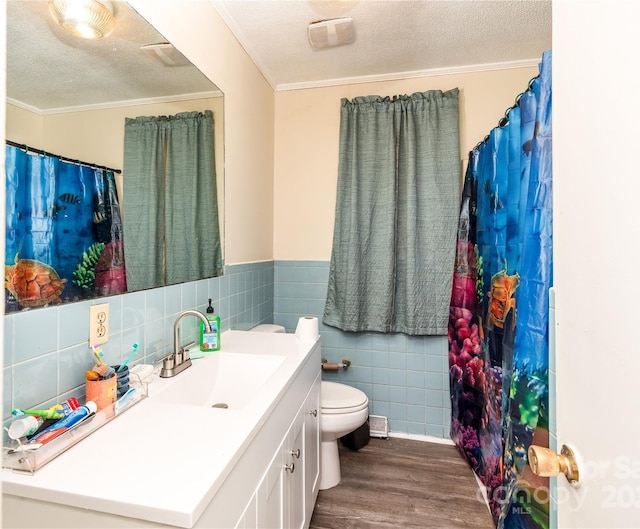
{"points": [[122, 381], [102, 392]]}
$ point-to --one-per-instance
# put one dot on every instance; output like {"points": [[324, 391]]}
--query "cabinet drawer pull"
{"points": [[296, 453], [314, 413], [290, 468]]}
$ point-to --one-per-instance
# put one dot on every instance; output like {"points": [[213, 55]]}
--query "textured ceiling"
{"points": [[50, 71], [394, 38]]}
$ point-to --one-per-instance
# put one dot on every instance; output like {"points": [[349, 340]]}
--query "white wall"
{"points": [[281, 149], [307, 125], [596, 186], [196, 29], [97, 136], [3, 97]]}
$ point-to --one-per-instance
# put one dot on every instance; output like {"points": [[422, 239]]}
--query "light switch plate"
{"points": [[98, 324]]}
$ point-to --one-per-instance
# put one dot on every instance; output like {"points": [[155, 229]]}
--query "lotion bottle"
{"points": [[210, 341], [25, 426]]}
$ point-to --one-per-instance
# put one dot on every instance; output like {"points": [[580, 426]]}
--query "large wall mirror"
{"points": [[68, 98]]}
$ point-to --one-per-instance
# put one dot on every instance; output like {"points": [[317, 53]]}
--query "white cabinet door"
{"points": [[249, 517], [293, 455], [286, 496], [595, 190], [271, 495], [311, 411]]}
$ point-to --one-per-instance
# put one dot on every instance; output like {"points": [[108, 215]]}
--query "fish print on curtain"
{"points": [[499, 318], [63, 232]]}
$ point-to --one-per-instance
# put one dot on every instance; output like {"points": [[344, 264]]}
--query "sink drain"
{"points": [[222, 405]]}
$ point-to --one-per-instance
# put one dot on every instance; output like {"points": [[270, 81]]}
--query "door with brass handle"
{"points": [[544, 462]]}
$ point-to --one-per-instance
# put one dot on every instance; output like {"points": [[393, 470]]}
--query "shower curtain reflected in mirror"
{"points": [[63, 232], [499, 317]]}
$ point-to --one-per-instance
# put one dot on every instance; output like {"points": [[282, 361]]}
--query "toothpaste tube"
{"points": [[126, 399], [61, 426], [67, 406]]}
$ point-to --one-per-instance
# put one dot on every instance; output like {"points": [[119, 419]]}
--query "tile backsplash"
{"points": [[46, 350], [405, 377]]}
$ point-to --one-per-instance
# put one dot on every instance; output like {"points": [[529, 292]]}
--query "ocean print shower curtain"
{"points": [[63, 232], [499, 318]]}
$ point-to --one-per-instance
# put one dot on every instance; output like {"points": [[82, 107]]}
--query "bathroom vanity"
{"points": [[179, 459]]}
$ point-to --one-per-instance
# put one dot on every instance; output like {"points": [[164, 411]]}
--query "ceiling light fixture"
{"points": [[89, 19], [331, 33]]}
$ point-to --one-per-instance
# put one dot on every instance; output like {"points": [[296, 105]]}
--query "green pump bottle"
{"points": [[210, 341]]}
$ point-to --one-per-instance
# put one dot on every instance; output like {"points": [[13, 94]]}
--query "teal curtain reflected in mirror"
{"points": [[171, 221]]}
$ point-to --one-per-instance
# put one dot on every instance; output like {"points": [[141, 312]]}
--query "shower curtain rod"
{"points": [[505, 120], [26, 148]]}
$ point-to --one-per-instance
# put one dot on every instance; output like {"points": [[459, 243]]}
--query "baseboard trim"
{"points": [[424, 438], [483, 491]]}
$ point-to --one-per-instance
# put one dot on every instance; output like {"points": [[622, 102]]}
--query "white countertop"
{"points": [[163, 462]]}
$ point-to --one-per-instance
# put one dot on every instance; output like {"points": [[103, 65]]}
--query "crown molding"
{"points": [[475, 68], [115, 104]]}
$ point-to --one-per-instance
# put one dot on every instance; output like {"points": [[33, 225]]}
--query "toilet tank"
{"points": [[268, 327]]}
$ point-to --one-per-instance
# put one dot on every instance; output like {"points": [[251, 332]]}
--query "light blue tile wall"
{"points": [[405, 377], [46, 350]]}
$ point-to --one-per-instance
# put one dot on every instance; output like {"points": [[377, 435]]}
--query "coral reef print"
{"points": [[498, 318], [63, 232]]}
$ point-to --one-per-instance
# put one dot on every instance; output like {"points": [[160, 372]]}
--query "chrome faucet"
{"points": [[179, 360]]}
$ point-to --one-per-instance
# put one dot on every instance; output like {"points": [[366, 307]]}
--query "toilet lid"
{"points": [[340, 398]]}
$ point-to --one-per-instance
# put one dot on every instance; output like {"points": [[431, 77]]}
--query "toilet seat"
{"points": [[340, 398]]}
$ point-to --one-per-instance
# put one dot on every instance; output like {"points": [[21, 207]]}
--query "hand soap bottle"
{"points": [[210, 341]]}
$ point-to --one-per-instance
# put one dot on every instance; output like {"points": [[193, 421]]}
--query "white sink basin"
{"points": [[220, 380]]}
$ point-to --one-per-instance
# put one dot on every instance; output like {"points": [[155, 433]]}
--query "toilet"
{"points": [[344, 409]]}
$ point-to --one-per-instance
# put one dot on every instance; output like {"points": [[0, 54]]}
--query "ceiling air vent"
{"points": [[331, 33], [166, 54]]}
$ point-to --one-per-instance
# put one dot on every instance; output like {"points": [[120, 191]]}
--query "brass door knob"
{"points": [[545, 462]]}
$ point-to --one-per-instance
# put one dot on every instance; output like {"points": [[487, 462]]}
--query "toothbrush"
{"points": [[134, 348], [126, 399], [45, 414], [97, 351]]}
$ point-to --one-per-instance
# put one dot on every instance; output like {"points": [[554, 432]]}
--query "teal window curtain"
{"points": [[397, 208], [171, 220]]}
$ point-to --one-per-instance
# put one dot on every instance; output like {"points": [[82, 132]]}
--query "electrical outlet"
{"points": [[98, 324]]}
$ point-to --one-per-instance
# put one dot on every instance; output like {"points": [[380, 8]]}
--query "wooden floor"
{"points": [[400, 483]]}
